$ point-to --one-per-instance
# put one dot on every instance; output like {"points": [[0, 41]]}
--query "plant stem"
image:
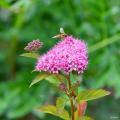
{"points": [[69, 83], [71, 98], [72, 108]]}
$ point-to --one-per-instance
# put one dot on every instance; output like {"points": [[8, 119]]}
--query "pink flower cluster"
{"points": [[34, 45], [68, 55]]}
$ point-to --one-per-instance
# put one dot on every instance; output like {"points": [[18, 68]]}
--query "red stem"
{"points": [[71, 99]]}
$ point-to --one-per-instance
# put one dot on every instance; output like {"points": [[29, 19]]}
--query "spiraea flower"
{"points": [[68, 55], [33, 46]]}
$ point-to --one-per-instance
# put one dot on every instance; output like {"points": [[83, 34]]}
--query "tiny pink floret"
{"points": [[68, 55]]}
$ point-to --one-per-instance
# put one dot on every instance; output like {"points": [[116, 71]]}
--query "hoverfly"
{"points": [[61, 35]]}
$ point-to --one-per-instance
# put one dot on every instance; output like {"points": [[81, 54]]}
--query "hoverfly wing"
{"points": [[57, 36], [62, 30]]}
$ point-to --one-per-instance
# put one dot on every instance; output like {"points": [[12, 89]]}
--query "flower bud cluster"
{"points": [[33, 46]]}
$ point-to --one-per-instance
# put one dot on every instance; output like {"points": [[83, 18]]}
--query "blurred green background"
{"points": [[95, 21]]}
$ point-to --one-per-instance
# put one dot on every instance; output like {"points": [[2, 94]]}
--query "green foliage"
{"points": [[55, 79], [30, 55], [55, 111], [14, 96], [60, 103], [75, 77], [104, 43], [91, 94], [39, 77], [84, 118]]}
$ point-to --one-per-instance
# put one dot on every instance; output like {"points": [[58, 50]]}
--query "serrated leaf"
{"points": [[91, 94], [39, 77], [54, 111], [60, 103], [30, 55]]}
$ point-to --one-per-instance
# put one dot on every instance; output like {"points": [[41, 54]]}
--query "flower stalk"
{"points": [[71, 98], [72, 108]]}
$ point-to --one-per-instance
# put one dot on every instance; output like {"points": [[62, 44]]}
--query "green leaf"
{"points": [[91, 94], [39, 77], [55, 79], [84, 118], [74, 80], [54, 111], [60, 77], [30, 55], [60, 103], [75, 77]]}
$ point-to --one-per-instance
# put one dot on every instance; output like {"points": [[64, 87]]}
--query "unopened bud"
{"points": [[63, 87], [33, 46]]}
